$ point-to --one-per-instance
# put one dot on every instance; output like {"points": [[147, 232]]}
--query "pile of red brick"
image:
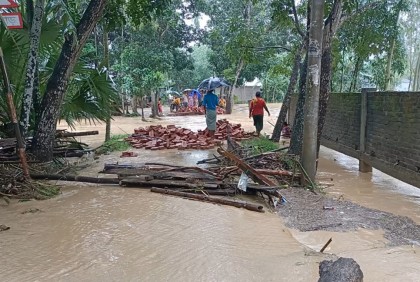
{"points": [[195, 111], [158, 137], [128, 154]]}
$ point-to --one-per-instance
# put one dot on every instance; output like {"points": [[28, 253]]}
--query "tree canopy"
{"points": [[137, 47]]}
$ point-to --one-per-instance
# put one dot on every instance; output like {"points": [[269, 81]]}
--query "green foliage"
{"points": [[260, 145], [116, 143], [367, 38], [91, 97], [141, 11], [276, 79], [90, 94], [156, 55], [45, 191]]}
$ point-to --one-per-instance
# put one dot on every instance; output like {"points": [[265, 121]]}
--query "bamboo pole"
{"points": [[76, 178], [74, 134], [204, 198], [13, 116]]}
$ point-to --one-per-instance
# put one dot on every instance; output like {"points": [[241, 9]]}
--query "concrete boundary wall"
{"points": [[380, 129]]}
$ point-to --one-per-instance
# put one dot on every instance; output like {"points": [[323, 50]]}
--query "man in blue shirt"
{"points": [[210, 103]]}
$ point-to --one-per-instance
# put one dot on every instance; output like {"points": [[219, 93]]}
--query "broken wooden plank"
{"points": [[133, 182], [218, 192], [250, 171], [204, 198], [158, 174]]}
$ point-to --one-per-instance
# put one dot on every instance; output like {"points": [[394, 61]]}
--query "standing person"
{"points": [[256, 110], [200, 97], [185, 100], [222, 103], [286, 133], [160, 108], [191, 99], [177, 103], [210, 103], [195, 100]]}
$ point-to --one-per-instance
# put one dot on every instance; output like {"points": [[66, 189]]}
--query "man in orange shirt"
{"points": [[256, 110]]}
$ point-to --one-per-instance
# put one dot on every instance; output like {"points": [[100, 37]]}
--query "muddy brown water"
{"points": [[104, 233]]}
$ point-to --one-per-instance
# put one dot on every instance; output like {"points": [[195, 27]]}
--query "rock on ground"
{"points": [[341, 270]]}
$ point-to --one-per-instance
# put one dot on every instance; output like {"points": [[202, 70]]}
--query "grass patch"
{"points": [[116, 143], [45, 191], [260, 145]]}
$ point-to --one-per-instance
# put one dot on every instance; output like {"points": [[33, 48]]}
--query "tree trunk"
{"points": [[154, 107], [353, 84], [342, 73], [416, 75], [31, 67], [330, 29], [388, 75], [36, 96], [230, 100], [310, 124], [142, 110], [29, 12], [134, 101], [297, 129], [43, 142], [229, 104], [106, 64], [290, 89]]}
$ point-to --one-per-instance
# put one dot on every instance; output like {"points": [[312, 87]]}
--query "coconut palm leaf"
{"points": [[91, 98], [14, 44]]}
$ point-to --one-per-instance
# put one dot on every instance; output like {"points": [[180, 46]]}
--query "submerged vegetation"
{"points": [[260, 145], [116, 143]]}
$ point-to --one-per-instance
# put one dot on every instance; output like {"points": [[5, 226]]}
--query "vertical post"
{"points": [[9, 97], [310, 127], [364, 166], [106, 63]]}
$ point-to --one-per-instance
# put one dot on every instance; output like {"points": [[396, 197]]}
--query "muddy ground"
{"points": [[304, 210]]}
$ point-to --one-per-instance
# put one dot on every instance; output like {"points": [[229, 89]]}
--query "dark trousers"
{"points": [[258, 122]]}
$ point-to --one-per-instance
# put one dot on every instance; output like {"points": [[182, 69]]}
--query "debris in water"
{"points": [[4, 227]]}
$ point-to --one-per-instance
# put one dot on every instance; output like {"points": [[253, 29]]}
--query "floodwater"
{"points": [[106, 233]]}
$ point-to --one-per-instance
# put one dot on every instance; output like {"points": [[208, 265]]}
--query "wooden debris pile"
{"points": [[65, 146], [191, 182], [210, 184], [218, 180], [157, 137]]}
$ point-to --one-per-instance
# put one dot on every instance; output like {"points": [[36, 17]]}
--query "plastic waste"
{"points": [[243, 182]]}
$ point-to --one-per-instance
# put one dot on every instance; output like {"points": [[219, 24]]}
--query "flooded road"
{"points": [[105, 233], [114, 234], [375, 190]]}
